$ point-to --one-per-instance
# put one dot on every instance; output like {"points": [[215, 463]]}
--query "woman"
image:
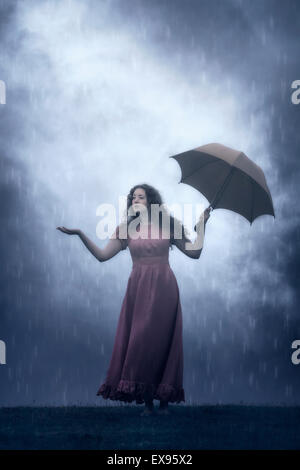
{"points": [[147, 358]]}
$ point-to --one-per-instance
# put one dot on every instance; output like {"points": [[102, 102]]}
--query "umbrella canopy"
{"points": [[227, 178]]}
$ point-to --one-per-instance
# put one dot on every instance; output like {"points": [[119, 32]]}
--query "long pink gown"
{"points": [[147, 357]]}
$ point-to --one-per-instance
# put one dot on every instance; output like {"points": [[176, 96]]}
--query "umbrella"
{"points": [[228, 179]]}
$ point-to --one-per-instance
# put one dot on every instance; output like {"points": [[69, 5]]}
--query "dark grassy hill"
{"points": [[188, 427]]}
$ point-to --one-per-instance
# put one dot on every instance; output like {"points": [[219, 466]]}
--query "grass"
{"points": [[113, 427]]}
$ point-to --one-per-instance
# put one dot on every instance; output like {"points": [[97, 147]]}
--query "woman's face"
{"points": [[139, 197]]}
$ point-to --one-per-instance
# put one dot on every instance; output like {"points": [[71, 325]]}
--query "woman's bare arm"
{"points": [[189, 248], [101, 254], [194, 249]]}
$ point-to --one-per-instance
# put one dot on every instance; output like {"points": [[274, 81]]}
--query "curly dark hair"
{"points": [[154, 197]]}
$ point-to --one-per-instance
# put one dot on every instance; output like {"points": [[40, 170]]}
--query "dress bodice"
{"points": [[150, 244]]}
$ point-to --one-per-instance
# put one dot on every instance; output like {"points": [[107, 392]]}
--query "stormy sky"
{"points": [[99, 94]]}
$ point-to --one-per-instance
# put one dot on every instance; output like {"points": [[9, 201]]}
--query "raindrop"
{"points": [[251, 377]]}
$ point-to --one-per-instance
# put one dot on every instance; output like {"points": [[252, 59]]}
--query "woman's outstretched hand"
{"points": [[69, 231]]}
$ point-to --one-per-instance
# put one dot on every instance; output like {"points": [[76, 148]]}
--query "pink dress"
{"points": [[147, 357]]}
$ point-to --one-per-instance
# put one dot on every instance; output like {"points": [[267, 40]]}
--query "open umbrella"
{"points": [[228, 179]]}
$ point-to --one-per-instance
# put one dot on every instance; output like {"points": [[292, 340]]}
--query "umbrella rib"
{"points": [[200, 168], [223, 186], [252, 199]]}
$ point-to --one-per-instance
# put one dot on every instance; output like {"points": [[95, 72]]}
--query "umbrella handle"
{"points": [[210, 210]]}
